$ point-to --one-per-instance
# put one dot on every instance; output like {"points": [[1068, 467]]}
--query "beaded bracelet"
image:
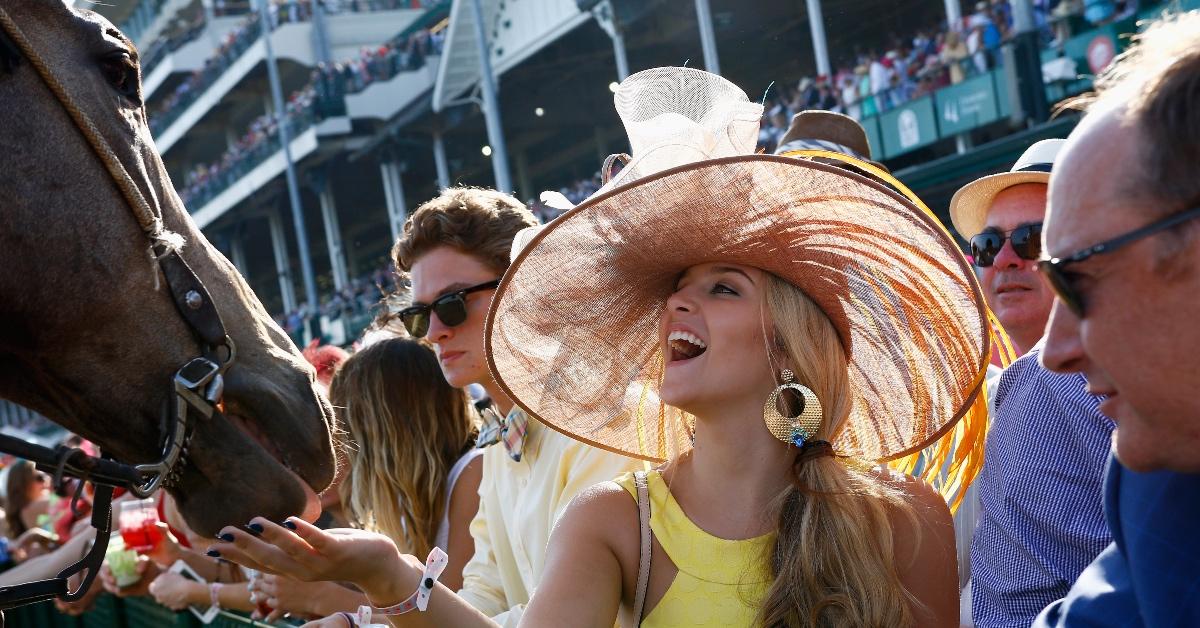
{"points": [[434, 566], [214, 594]]}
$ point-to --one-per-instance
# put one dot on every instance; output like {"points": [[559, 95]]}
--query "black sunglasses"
{"points": [[1053, 269], [450, 308], [1026, 242]]}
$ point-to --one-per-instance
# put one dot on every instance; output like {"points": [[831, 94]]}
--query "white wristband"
{"points": [[419, 600]]}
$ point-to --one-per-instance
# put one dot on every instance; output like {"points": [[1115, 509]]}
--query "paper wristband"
{"points": [[434, 566]]}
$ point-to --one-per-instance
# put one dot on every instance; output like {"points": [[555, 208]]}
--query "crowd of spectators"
{"points": [[395, 56], [874, 81], [381, 63], [222, 8], [321, 98], [360, 298], [235, 42], [261, 140]]}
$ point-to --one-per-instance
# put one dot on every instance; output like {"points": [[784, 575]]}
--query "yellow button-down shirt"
{"points": [[519, 503]]}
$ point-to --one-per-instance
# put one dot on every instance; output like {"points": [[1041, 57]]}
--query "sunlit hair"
{"points": [[1157, 81], [833, 561], [16, 487], [407, 427], [479, 222]]}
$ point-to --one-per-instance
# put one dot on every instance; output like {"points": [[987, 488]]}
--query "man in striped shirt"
{"points": [[1038, 519]]}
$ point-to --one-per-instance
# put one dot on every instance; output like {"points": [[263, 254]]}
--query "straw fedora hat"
{"points": [[817, 129], [573, 330], [970, 204]]}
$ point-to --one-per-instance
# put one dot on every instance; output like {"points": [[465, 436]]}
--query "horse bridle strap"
{"points": [[59, 586], [197, 386]]}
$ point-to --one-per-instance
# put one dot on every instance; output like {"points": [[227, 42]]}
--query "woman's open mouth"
{"points": [[684, 346]]}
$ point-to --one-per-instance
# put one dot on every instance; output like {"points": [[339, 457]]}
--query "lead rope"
{"points": [[150, 222]]}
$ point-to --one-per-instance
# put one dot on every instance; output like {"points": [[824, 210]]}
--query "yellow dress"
{"points": [[721, 582]]}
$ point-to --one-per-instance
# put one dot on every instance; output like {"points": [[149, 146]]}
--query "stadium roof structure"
{"points": [[514, 34]]}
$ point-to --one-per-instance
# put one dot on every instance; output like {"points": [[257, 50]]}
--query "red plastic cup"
{"points": [[138, 523]]}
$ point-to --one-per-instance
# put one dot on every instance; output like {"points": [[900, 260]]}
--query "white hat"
{"points": [[673, 116], [970, 205]]}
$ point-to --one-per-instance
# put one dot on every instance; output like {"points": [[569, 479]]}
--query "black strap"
{"points": [[70, 462], [32, 592], [1034, 168], [57, 587], [192, 299]]}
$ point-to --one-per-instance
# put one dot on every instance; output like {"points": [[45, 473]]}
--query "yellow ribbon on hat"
{"points": [[961, 447]]}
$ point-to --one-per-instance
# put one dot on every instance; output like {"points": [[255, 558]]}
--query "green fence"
{"points": [[113, 612], [984, 99]]}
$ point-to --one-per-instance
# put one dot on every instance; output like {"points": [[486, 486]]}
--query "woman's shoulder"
{"points": [[608, 498], [915, 491], [604, 511], [930, 513]]}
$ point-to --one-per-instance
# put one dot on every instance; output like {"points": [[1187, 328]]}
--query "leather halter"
{"points": [[196, 387]]}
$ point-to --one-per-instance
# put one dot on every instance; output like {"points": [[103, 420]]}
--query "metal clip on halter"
{"points": [[195, 384]]}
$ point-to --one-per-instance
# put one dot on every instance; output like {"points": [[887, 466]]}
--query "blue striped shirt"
{"points": [[1041, 494]]}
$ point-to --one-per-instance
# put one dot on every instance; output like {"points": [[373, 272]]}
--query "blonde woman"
{"points": [[413, 469], [413, 472], [768, 328]]}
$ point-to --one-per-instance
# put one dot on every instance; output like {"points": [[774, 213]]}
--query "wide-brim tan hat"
{"points": [[970, 204], [573, 330]]}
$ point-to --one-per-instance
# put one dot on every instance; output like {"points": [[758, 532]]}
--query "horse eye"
{"points": [[121, 73]]}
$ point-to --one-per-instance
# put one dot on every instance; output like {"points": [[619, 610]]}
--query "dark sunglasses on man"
{"points": [[1026, 242], [450, 308], [1054, 270]]}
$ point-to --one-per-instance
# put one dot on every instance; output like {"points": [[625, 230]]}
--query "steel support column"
{"points": [[954, 14], [603, 12], [491, 105], [439, 161], [287, 289], [393, 192], [237, 252], [524, 187], [816, 26], [333, 230], [293, 185], [708, 38]]}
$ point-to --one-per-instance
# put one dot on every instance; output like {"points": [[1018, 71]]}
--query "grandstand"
{"points": [[384, 104]]}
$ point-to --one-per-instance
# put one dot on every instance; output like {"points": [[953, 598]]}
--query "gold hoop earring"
{"points": [[793, 430]]}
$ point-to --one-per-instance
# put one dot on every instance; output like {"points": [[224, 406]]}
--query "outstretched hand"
{"points": [[339, 620], [147, 572], [174, 591], [307, 553]]}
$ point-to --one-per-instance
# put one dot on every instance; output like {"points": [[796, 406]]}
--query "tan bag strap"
{"points": [[643, 581]]}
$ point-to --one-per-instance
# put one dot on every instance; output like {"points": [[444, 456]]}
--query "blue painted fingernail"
{"points": [[255, 528], [227, 537], [289, 525], [213, 553]]}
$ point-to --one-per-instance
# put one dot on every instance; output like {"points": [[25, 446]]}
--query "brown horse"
{"points": [[89, 335]]}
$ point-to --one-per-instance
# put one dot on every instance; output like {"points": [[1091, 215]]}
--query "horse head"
{"points": [[89, 334]]}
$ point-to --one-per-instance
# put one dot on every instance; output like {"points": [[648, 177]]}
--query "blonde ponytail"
{"points": [[834, 558]]}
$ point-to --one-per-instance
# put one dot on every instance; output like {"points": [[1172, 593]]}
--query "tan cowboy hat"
{"points": [[573, 331], [970, 204], [817, 129]]}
